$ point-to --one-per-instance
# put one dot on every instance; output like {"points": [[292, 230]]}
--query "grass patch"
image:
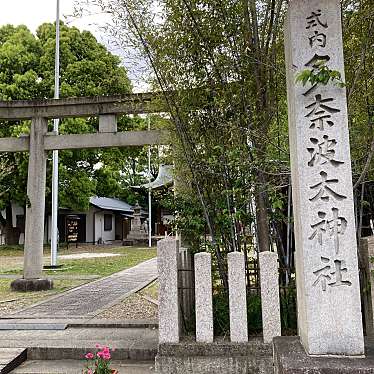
{"points": [[129, 256], [11, 263], [11, 301], [151, 291], [13, 250], [107, 265], [59, 286]]}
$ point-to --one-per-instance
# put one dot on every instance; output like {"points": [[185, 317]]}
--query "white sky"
{"points": [[33, 13]]}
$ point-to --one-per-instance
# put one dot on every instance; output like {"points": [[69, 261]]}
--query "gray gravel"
{"points": [[133, 307]]}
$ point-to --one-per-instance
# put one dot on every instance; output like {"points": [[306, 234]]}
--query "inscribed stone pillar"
{"points": [[36, 180], [237, 297], [269, 278], [203, 296], [329, 308], [168, 309]]}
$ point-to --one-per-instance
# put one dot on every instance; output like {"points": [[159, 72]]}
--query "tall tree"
{"points": [[221, 67], [220, 57], [87, 69]]}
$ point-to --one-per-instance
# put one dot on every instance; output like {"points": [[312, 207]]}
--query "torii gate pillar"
{"points": [[34, 234]]}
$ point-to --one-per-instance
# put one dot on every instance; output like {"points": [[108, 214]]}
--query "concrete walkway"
{"points": [[63, 351], [92, 298]]}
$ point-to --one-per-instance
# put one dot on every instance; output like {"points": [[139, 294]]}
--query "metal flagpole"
{"points": [[149, 192], [54, 234]]}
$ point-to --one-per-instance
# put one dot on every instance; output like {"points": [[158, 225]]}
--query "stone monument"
{"points": [[137, 232], [328, 290]]}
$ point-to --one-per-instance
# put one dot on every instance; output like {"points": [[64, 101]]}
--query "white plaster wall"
{"points": [[17, 210], [99, 228], [89, 225]]}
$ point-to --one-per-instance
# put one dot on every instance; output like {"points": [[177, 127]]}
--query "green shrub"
{"points": [[222, 317], [288, 311]]}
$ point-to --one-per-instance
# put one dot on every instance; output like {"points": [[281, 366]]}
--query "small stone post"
{"points": [[270, 303], [328, 290], [34, 228], [204, 298], [237, 297], [367, 257], [168, 309]]}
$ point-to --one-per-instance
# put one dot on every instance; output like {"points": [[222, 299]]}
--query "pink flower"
{"points": [[97, 345], [106, 350], [99, 354], [106, 356], [89, 356], [89, 371]]}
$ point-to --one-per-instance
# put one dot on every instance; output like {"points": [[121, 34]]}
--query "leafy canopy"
{"points": [[87, 69]]}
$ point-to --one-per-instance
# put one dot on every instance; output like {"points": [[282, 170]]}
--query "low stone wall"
{"points": [[253, 357], [203, 354]]}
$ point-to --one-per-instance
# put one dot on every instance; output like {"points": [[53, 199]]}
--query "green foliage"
{"points": [[254, 314], [222, 318], [288, 310], [227, 58], [87, 69], [205, 55], [320, 74], [221, 322]]}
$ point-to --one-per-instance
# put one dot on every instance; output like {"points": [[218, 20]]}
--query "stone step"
{"points": [[10, 358], [74, 353], [76, 366]]}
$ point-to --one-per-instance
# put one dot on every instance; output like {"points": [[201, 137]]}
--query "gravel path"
{"points": [[133, 307]]}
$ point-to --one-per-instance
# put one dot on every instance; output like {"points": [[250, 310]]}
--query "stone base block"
{"points": [[28, 285], [253, 357], [290, 358], [138, 242]]}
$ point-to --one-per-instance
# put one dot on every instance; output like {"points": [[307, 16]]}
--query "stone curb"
{"points": [[56, 325], [10, 358]]}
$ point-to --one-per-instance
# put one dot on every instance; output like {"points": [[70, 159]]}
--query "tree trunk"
{"points": [[262, 215]]}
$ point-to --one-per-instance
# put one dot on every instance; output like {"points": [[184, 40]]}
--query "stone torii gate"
{"points": [[40, 141]]}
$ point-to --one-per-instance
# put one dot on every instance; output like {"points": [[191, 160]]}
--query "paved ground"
{"points": [[92, 298], [75, 367], [62, 351]]}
